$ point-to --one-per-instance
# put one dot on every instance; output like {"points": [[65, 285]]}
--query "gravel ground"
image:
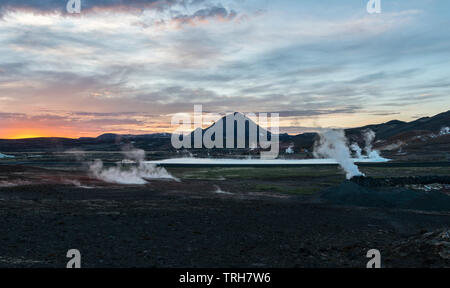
{"points": [[170, 224]]}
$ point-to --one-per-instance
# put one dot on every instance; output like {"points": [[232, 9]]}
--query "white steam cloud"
{"points": [[14, 183], [444, 131], [76, 183], [290, 150], [127, 174], [220, 191], [369, 136], [333, 144], [5, 156], [131, 153], [355, 148]]}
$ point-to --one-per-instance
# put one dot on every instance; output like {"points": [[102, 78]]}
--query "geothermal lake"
{"points": [[255, 162]]}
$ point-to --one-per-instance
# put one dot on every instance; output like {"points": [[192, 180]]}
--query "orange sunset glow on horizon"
{"points": [[45, 126], [25, 132]]}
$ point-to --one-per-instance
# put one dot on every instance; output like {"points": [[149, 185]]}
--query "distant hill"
{"points": [[104, 142], [394, 128], [249, 127], [421, 134]]}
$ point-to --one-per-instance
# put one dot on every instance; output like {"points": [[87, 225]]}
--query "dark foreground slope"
{"points": [[280, 220], [181, 231]]}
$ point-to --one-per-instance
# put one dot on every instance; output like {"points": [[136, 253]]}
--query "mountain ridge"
{"points": [[393, 131]]}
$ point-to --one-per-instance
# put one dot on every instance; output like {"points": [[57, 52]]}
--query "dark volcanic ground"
{"points": [[187, 224]]}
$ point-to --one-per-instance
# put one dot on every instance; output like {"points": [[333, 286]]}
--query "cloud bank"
{"points": [[128, 64]]}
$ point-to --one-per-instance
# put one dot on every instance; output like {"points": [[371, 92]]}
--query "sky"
{"points": [[128, 66]]}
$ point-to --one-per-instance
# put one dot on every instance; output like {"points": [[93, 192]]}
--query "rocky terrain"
{"points": [[227, 217]]}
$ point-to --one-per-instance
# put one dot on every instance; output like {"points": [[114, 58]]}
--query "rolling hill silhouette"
{"points": [[388, 132]]}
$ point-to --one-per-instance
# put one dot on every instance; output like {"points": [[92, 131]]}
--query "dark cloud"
{"points": [[113, 122], [384, 113], [94, 6], [384, 76], [299, 129], [104, 114], [217, 11], [46, 6], [5, 115], [317, 112]]}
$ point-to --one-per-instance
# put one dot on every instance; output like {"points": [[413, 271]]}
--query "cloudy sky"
{"points": [[127, 66]]}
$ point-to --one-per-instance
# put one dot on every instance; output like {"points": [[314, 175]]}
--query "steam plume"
{"points": [[290, 149], [355, 147], [333, 144], [122, 174], [369, 136], [444, 131], [5, 156]]}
